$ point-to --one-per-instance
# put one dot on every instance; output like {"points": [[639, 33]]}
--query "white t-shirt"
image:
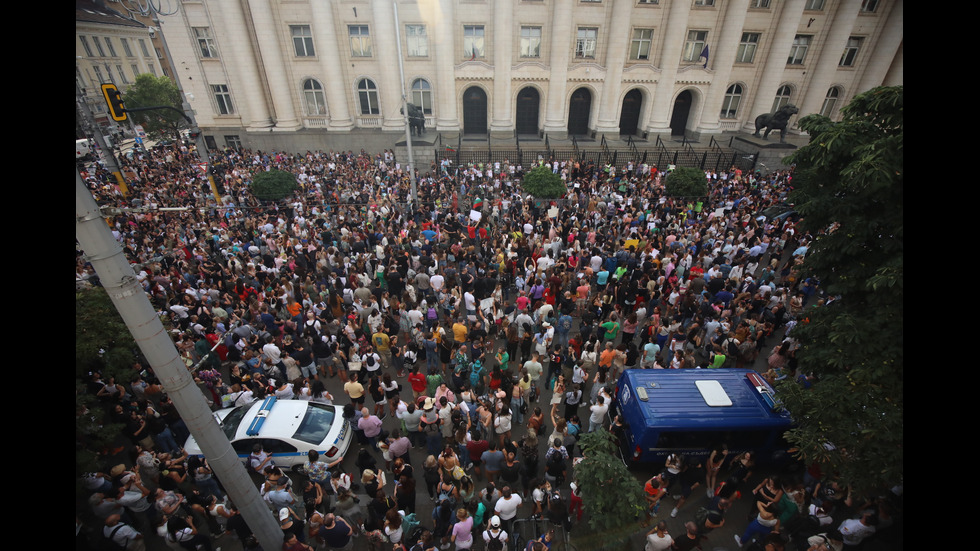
{"points": [[656, 543], [507, 508], [598, 412]]}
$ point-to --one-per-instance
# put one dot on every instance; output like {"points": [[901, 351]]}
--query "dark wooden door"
{"points": [[474, 111], [528, 102], [629, 117], [682, 108], [579, 109]]}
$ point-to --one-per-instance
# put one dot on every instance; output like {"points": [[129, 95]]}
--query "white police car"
{"points": [[286, 429]]}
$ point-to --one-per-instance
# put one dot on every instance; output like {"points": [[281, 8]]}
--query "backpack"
{"points": [[495, 544], [475, 373], [109, 544]]}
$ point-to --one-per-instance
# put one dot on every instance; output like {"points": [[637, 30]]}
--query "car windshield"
{"points": [[232, 420], [316, 424]]}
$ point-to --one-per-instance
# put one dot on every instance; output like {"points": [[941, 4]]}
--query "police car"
{"points": [[286, 429]]}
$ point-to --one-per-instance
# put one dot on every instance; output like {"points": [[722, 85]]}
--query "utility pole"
{"points": [[129, 298], [408, 127]]}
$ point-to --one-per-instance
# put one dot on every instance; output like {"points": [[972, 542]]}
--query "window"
{"points": [[146, 53], [122, 74], [126, 48], [159, 53], [830, 102], [222, 99], [422, 95], [814, 5], [648, 2], [473, 41], [797, 53], [782, 97], [746, 48], [530, 41], [98, 46], [696, 41], [112, 49], [759, 4], [418, 41], [316, 103], [367, 96], [733, 96], [703, 3], [153, 69], [640, 46], [302, 40], [136, 69], [234, 142], [585, 42], [869, 6], [360, 40], [98, 74], [85, 46], [204, 41], [850, 51]]}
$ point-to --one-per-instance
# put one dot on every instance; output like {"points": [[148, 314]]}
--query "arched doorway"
{"points": [[474, 111], [682, 108], [579, 109], [629, 117], [528, 102]]}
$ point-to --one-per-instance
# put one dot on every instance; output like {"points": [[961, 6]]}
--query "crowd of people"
{"points": [[470, 338]]}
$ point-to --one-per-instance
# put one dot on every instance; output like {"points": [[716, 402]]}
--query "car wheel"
{"points": [[299, 469]]}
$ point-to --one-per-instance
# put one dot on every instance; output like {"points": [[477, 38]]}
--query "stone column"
{"points": [[335, 85], [240, 61], [444, 47], [773, 72], [503, 53], [725, 48], [882, 57], [383, 40], [823, 70], [561, 47], [274, 66], [616, 52], [670, 58]]}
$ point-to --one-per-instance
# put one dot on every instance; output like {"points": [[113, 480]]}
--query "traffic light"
{"points": [[194, 133], [114, 99]]}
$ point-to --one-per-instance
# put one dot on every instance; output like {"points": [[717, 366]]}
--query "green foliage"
{"points": [[102, 340], [273, 185], [849, 187], [686, 182], [611, 493], [544, 184], [102, 343], [151, 91]]}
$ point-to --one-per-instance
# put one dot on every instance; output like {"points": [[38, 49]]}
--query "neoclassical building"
{"points": [[583, 67]]}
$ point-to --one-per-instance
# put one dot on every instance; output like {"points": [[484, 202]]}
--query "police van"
{"points": [[692, 411]]}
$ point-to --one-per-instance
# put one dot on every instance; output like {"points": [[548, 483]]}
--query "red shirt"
{"points": [[417, 380]]}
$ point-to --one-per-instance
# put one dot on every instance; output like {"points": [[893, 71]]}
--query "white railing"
{"points": [[369, 122]]}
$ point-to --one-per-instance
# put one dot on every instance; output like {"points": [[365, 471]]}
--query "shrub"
{"points": [[544, 184], [686, 182], [273, 185]]}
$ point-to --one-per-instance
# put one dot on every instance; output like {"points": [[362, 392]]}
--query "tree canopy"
{"points": [[273, 185], [542, 183], [849, 188], [686, 182], [151, 91], [612, 495]]}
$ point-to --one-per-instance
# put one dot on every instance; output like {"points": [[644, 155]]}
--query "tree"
{"points": [[151, 91], [849, 189], [612, 495], [273, 185], [544, 184], [102, 343], [686, 182]]}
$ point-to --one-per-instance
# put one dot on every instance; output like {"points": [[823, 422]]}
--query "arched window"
{"points": [[782, 97], [422, 95], [316, 103], [367, 96], [733, 96], [830, 102]]}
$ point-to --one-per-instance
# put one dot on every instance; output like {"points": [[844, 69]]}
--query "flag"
{"points": [[474, 53], [450, 148], [704, 54]]}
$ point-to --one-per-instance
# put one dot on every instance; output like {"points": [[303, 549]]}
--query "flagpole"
{"points": [[408, 128]]}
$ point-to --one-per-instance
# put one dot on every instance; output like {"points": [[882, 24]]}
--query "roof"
{"points": [[283, 419], [674, 399], [90, 11]]}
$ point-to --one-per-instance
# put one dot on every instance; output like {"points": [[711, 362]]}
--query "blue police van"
{"points": [[692, 411]]}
